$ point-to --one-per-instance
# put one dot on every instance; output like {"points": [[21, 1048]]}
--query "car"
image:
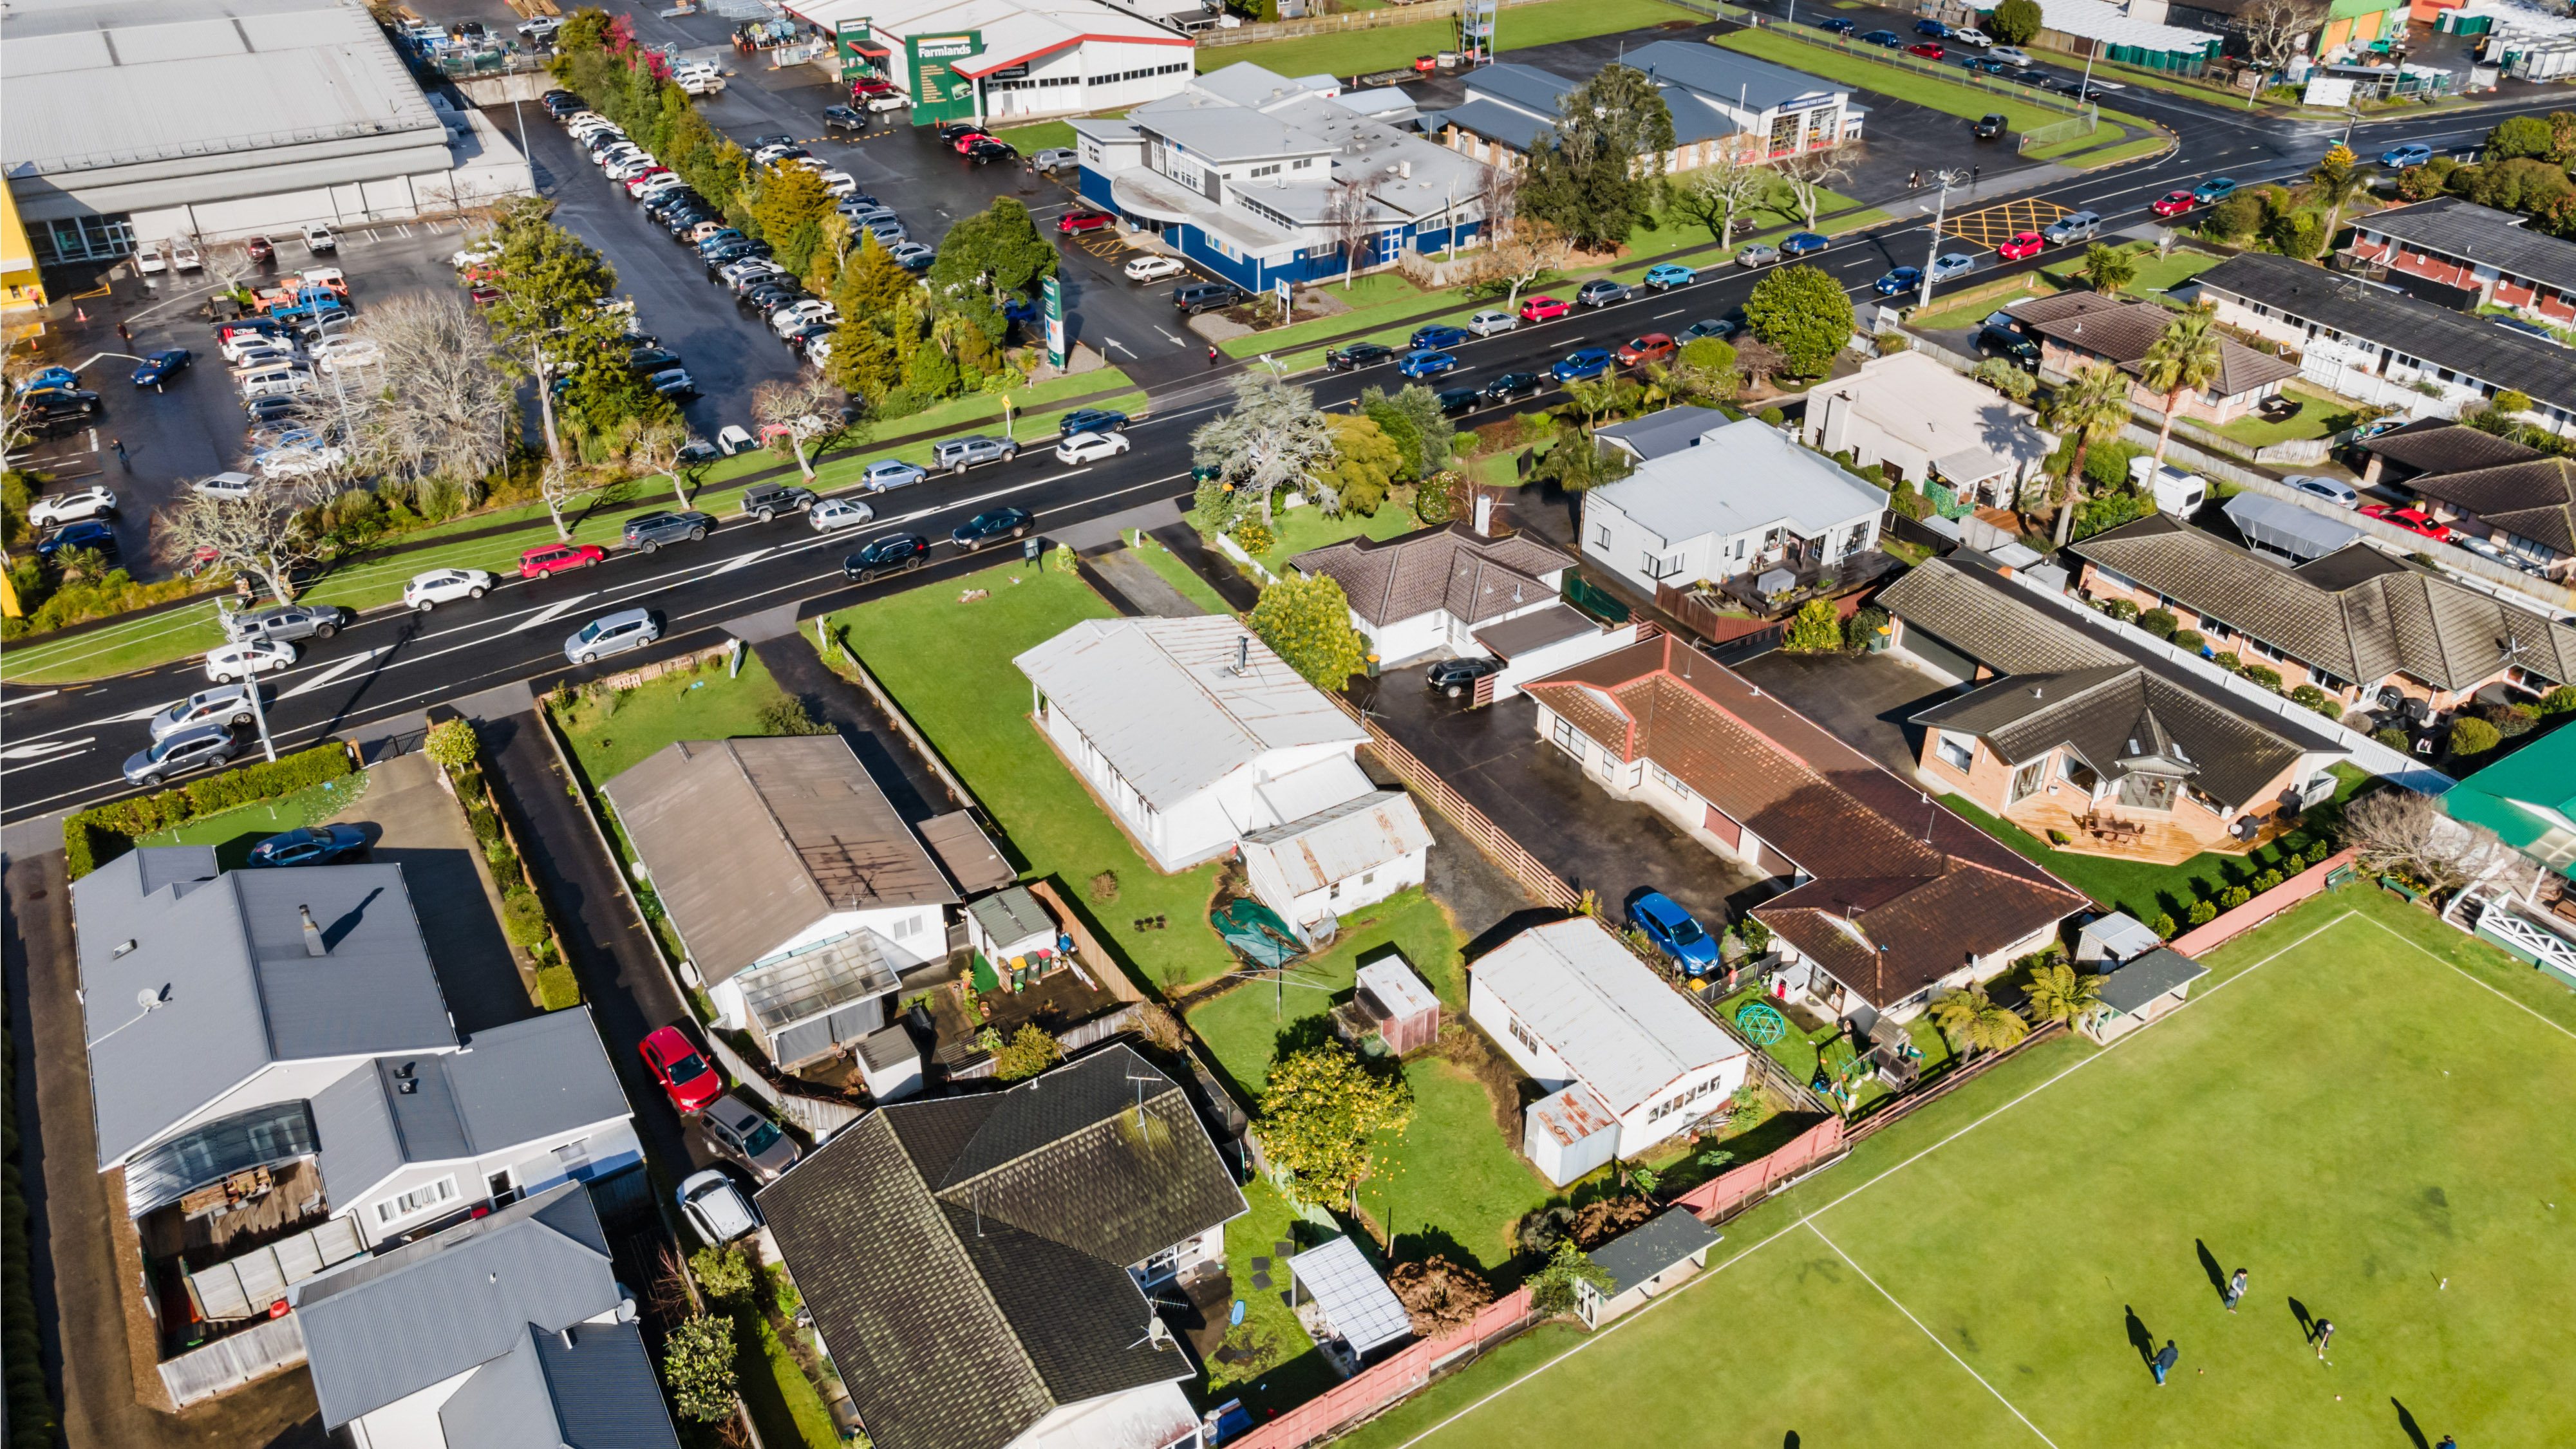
{"points": [[733, 438], [715, 1207], [983, 528], [968, 142], [1897, 281], [1455, 678], [1427, 364], [159, 367], [1544, 309], [673, 383], [1966, 59], [1888, 39], [198, 747], [1588, 362], [319, 239], [1990, 125], [424, 592], [1839, 25], [2481, 548], [1601, 292], [233, 486], [555, 558], [1056, 158], [1489, 322], [94, 534], [225, 704], [685, 1076], [1675, 933], [266, 410], [483, 296], [765, 501], [911, 255], [285, 621], [2407, 155], [2173, 203], [2021, 244], [845, 118], [2413, 520], [1952, 264], [959, 454], [298, 461], [1926, 49], [2011, 55], [777, 138], [1992, 66], [1090, 447], [259, 249], [75, 507], [1075, 223], [308, 845], [1459, 399], [834, 513], [952, 131], [52, 379], [984, 150], [1756, 254], [2217, 188], [1513, 384], [893, 554], [891, 474], [1933, 28], [777, 151], [1092, 420], [652, 183], [230, 662], [57, 414], [647, 361], [1357, 355], [1993, 341], [2333, 491], [1720, 328], [1200, 297], [2073, 227], [611, 634], [1670, 275], [747, 1139], [1652, 347], [652, 530], [1153, 268], [348, 354], [1802, 243], [1438, 338]]}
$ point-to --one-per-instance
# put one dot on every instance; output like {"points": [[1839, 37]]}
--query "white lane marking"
{"points": [[550, 613], [740, 560], [336, 672], [46, 747], [1677, 311], [1121, 346], [22, 699], [1176, 342]]}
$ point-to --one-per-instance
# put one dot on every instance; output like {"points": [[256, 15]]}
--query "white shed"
{"points": [[1339, 859], [1009, 924], [1569, 1134]]}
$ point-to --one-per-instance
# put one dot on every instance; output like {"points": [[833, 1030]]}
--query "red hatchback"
{"points": [[2413, 520], [861, 90], [1653, 347], [2023, 244], [554, 558], [2174, 203], [681, 1071], [1926, 49], [1073, 223], [967, 142], [1544, 309]]}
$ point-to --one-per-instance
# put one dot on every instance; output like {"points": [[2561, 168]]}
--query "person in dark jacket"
{"points": [[2164, 1361]]}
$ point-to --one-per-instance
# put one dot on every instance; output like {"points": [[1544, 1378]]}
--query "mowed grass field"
{"points": [[2362, 1107]]}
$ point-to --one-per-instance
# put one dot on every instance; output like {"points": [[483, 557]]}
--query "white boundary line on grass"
{"points": [[2482, 986], [1810, 1225], [1749, 1251]]}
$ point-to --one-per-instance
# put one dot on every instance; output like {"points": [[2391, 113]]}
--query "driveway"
{"points": [[1862, 699], [421, 828]]}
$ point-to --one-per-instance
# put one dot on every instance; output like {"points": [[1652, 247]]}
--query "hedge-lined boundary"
{"points": [[92, 838], [32, 1419]]}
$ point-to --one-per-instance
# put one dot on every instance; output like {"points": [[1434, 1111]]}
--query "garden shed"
{"points": [[1340, 1297], [1569, 1134], [1643, 1262], [1403, 1011], [1008, 925], [2141, 990], [2114, 938]]}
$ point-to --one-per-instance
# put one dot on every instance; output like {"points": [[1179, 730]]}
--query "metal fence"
{"points": [[2066, 130], [228, 1363]]}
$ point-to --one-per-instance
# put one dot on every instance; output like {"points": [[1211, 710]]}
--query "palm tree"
{"points": [[2183, 359], [2337, 186], [1976, 1022], [2107, 269], [1594, 397], [1578, 463], [2091, 409], [2059, 992]]}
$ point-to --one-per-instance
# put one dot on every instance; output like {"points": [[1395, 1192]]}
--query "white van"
{"points": [[2176, 492], [275, 382]]}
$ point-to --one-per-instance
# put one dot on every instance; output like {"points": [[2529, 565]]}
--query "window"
{"points": [[1670, 781], [1636, 773], [2028, 779], [1270, 170], [419, 1200], [1662, 568], [1566, 738], [1956, 751], [1522, 1035], [1601, 536]]}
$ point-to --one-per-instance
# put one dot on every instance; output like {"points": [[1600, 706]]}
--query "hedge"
{"points": [[92, 838]]}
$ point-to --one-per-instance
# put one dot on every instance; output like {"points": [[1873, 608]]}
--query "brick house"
{"points": [[2078, 329], [2516, 498], [2475, 249]]}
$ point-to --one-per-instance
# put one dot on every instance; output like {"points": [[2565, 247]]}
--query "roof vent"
{"points": [[1404, 169], [567, 1335], [124, 948], [312, 933], [1242, 655]]}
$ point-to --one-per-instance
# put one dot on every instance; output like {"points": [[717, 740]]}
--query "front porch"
{"points": [[2149, 836]]}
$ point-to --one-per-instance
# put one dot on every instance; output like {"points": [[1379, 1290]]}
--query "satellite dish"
{"points": [[152, 997]]}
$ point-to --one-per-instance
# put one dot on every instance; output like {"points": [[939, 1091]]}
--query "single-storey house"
{"points": [[2436, 445], [2525, 506], [2475, 249], [1339, 859], [1746, 500], [1925, 424], [1666, 430], [1722, 103], [1662, 1252], [510, 1329], [1424, 592], [1572, 1006], [819, 898], [1191, 732], [2078, 329], [978, 1266]]}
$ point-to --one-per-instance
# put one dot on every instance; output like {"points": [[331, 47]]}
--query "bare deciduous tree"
{"points": [[1715, 194], [2397, 831], [1350, 219], [1532, 249], [1498, 200], [799, 408], [229, 266], [1809, 173], [262, 537], [657, 450], [437, 404], [561, 486], [2277, 31]]}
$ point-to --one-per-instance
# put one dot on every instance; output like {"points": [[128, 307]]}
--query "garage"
{"points": [[1933, 654]]}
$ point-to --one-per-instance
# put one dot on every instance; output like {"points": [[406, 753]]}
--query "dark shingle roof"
{"points": [[2458, 228], [1991, 627], [2536, 499], [1454, 568], [2426, 330], [2110, 715], [2438, 445], [1652, 1246], [966, 1257], [2148, 975], [2124, 333]]}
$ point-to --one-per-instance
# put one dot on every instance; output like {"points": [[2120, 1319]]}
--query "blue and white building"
{"points": [[1249, 174], [1721, 102]]}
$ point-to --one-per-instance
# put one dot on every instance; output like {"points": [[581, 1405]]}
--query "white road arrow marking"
{"points": [[548, 615], [46, 747], [335, 673]]}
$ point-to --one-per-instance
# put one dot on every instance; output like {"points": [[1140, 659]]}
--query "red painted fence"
{"points": [[2202, 940], [1723, 1196]]}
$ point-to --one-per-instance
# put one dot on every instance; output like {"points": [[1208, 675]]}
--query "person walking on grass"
{"points": [[2323, 1335], [2235, 1290], [2164, 1361]]}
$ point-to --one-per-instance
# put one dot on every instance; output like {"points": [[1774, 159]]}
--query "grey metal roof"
{"points": [[1667, 431], [1492, 119], [1011, 915], [1450, 569], [2286, 527], [237, 991], [2481, 235], [2143, 978], [1354, 1299], [966, 851], [355, 1122], [385, 1327], [1357, 835], [595, 1392], [2366, 311], [1729, 75], [1651, 1247], [1743, 476], [1535, 630], [749, 841], [1612, 1020]]}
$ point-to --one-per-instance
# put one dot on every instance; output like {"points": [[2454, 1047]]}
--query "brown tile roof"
{"points": [[1991, 627], [2438, 445], [2113, 714], [2536, 499], [1922, 886], [1454, 568], [2123, 334], [2034, 310]]}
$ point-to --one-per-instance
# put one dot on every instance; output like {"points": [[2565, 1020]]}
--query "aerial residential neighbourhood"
{"points": [[1404, 724]]}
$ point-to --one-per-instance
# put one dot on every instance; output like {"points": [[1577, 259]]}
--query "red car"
{"points": [[2413, 520], [1073, 223], [1544, 309], [681, 1071], [2174, 203], [260, 248], [554, 558], [967, 142], [2023, 244], [1653, 347], [861, 90], [484, 296], [1926, 49]]}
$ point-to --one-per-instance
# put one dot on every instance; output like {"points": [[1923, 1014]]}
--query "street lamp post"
{"points": [[1940, 213]]}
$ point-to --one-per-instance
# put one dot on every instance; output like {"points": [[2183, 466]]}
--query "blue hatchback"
{"points": [[1799, 244], [2216, 189], [1426, 364], [1933, 28], [1670, 275], [1837, 24], [1887, 38], [1899, 281], [1433, 339], [1590, 362], [2406, 156], [1674, 933]]}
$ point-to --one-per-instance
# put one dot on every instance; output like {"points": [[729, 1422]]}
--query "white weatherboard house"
{"points": [[1574, 1009], [1191, 731], [1339, 859], [1745, 500], [1924, 423]]}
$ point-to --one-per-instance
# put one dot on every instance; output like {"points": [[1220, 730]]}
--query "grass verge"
{"points": [[1924, 87], [1361, 52]]}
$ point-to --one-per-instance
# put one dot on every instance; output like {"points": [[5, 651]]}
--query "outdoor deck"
{"points": [[2161, 843]]}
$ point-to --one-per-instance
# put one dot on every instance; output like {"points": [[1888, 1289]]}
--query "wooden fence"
{"points": [[637, 678], [1732, 1191], [1365, 1393], [1534, 876], [228, 1363], [819, 1117]]}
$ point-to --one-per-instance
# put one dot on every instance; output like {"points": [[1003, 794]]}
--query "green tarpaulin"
{"points": [[1257, 934]]}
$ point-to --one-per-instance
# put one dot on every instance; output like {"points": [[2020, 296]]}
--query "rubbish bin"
{"points": [[1030, 548]]}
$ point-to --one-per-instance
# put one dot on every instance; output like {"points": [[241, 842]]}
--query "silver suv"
{"points": [[612, 634], [227, 704], [959, 454], [2075, 226], [285, 622]]}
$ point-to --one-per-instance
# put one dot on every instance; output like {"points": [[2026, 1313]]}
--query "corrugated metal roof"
{"points": [[1743, 476], [1638, 1254], [1161, 701], [967, 852], [596, 1392], [1573, 1114], [1534, 631], [1614, 1022], [2147, 977], [2286, 527], [1012, 915], [1354, 1299], [1360, 835], [1316, 787], [1668, 431], [1391, 980]]}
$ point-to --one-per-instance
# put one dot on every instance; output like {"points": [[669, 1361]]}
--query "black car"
{"points": [[1460, 399], [845, 118], [1357, 355], [2005, 342], [89, 533], [893, 554], [954, 131], [1511, 385], [983, 528], [262, 410], [983, 151], [651, 360], [766, 501], [762, 301], [1200, 297], [1989, 126], [671, 203], [652, 530], [778, 139], [1457, 677], [56, 414], [1092, 420], [799, 338]]}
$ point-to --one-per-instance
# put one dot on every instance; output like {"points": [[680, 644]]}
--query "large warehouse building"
{"points": [[958, 59], [127, 122]]}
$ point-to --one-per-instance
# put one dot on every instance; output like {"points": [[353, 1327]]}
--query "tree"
{"points": [[2059, 992], [1578, 463], [872, 285], [2519, 136], [1274, 438], [1976, 1022], [2182, 360], [1717, 193], [800, 408], [2277, 31], [439, 404], [789, 203], [1412, 417], [559, 486], [2107, 269], [2014, 22], [553, 323], [1808, 173], [2395, 831], [1366, 461], [1593, 397], [1818, 629], [451, 743], [1323, 1110], [1532, 250], [997, 251], [265, 536], [1554, 1288], [1350, 218], [1307, 623], [725, 1273], [1029, 1052], [2089, 410], [1804, 313], [2338, 181], [2472, 736], [1441, 1297], [697, 1362], [1596, 170], [656, 449]]}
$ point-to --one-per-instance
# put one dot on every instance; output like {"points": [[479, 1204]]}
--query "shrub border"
{"points": [[93, 837]]}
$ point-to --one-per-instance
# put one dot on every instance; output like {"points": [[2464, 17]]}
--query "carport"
{"points": [[1538, 644]]}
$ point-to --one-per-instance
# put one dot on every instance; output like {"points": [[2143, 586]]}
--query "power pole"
{"points": [[250, 684], [1940, 212]]}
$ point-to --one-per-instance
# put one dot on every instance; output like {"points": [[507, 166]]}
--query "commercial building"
{"points": [[128, 125], [957, 59], [1721, 102], [22, 286]]}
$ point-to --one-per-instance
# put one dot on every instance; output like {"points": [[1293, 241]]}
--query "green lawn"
{"points": [[1990, 1266], [1276, 1364], [1242, 1028], [1924, 87], [1182, 577], [1295, 530], [949, 666], [1360, 52], [234, 832], [613, 731], [2324, 413]]}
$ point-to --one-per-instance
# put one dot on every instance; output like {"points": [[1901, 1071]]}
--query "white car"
{"points": [[1154, 268], [241, 661], [444, 586], [1085, 447], [2480, 547], [700, 83], [839, 183], [260, 355], [61, 508], [775, 151], [228, 703], [2327, 490], [235, 486], [300, 462], [733, 438], [818, 354], [910, 253], [652, 184], [186, 258], [2012, 55], [318, 239], [797, 316], [245, 344], [150, 260], [715, 1207], [834, 513], [1486, 324], [1971, 35], [338, 353]]}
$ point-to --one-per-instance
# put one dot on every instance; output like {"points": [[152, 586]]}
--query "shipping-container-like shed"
{"points": [[1405, 1010]]}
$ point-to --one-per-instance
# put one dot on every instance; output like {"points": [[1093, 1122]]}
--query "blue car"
{"points": [[1590, 362], [1437, 339], [61, 377], [312, 845], [1426, 364], [1837, 24], [161, 366], [1933, 28], [90, 533], [1020, 311], [1674, 933], [2406, 156], [1668, 276], [1899, 281], [1799, 244], [2216, 189], [1888, 39]]}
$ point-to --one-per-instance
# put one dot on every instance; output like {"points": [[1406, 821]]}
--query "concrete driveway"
{"points": [[1862, 699]]}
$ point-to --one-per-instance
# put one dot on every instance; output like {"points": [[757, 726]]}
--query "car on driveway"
{"points": [[652, 530], [1427, 364], [1357, 355], [1074, 223], [611, 634], [231, 662], [1090, 447], [1601, 292], [984, 528], [427, 591], [893, 554], [2021, 244], [1993, 341], [2403, 156], [225, 704], [1544, 309], [1897, 281], [1670, 275], [1154, 268], [1513, 384], [1952, 264], [310, 845], [1756, 254], [715, 1207], [286, 621], [2413, 520], [554, 558], [1588, 362], [1802, 243], [684, 1074], [2173, 203], [1092, 420], [198, 747], [2330, 490], [1437, 338], [1675, 933], [959, 454], [891, 473], [834, 513], [2217, 188], [747, 1139], [1455, 678], [1489, 322], [2073, 227], [159, 367], [59, 508], [1652, 347]]}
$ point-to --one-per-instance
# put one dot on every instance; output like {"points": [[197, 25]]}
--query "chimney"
{"points": [[312, 933], [1404, 169], [1485, 515]]}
